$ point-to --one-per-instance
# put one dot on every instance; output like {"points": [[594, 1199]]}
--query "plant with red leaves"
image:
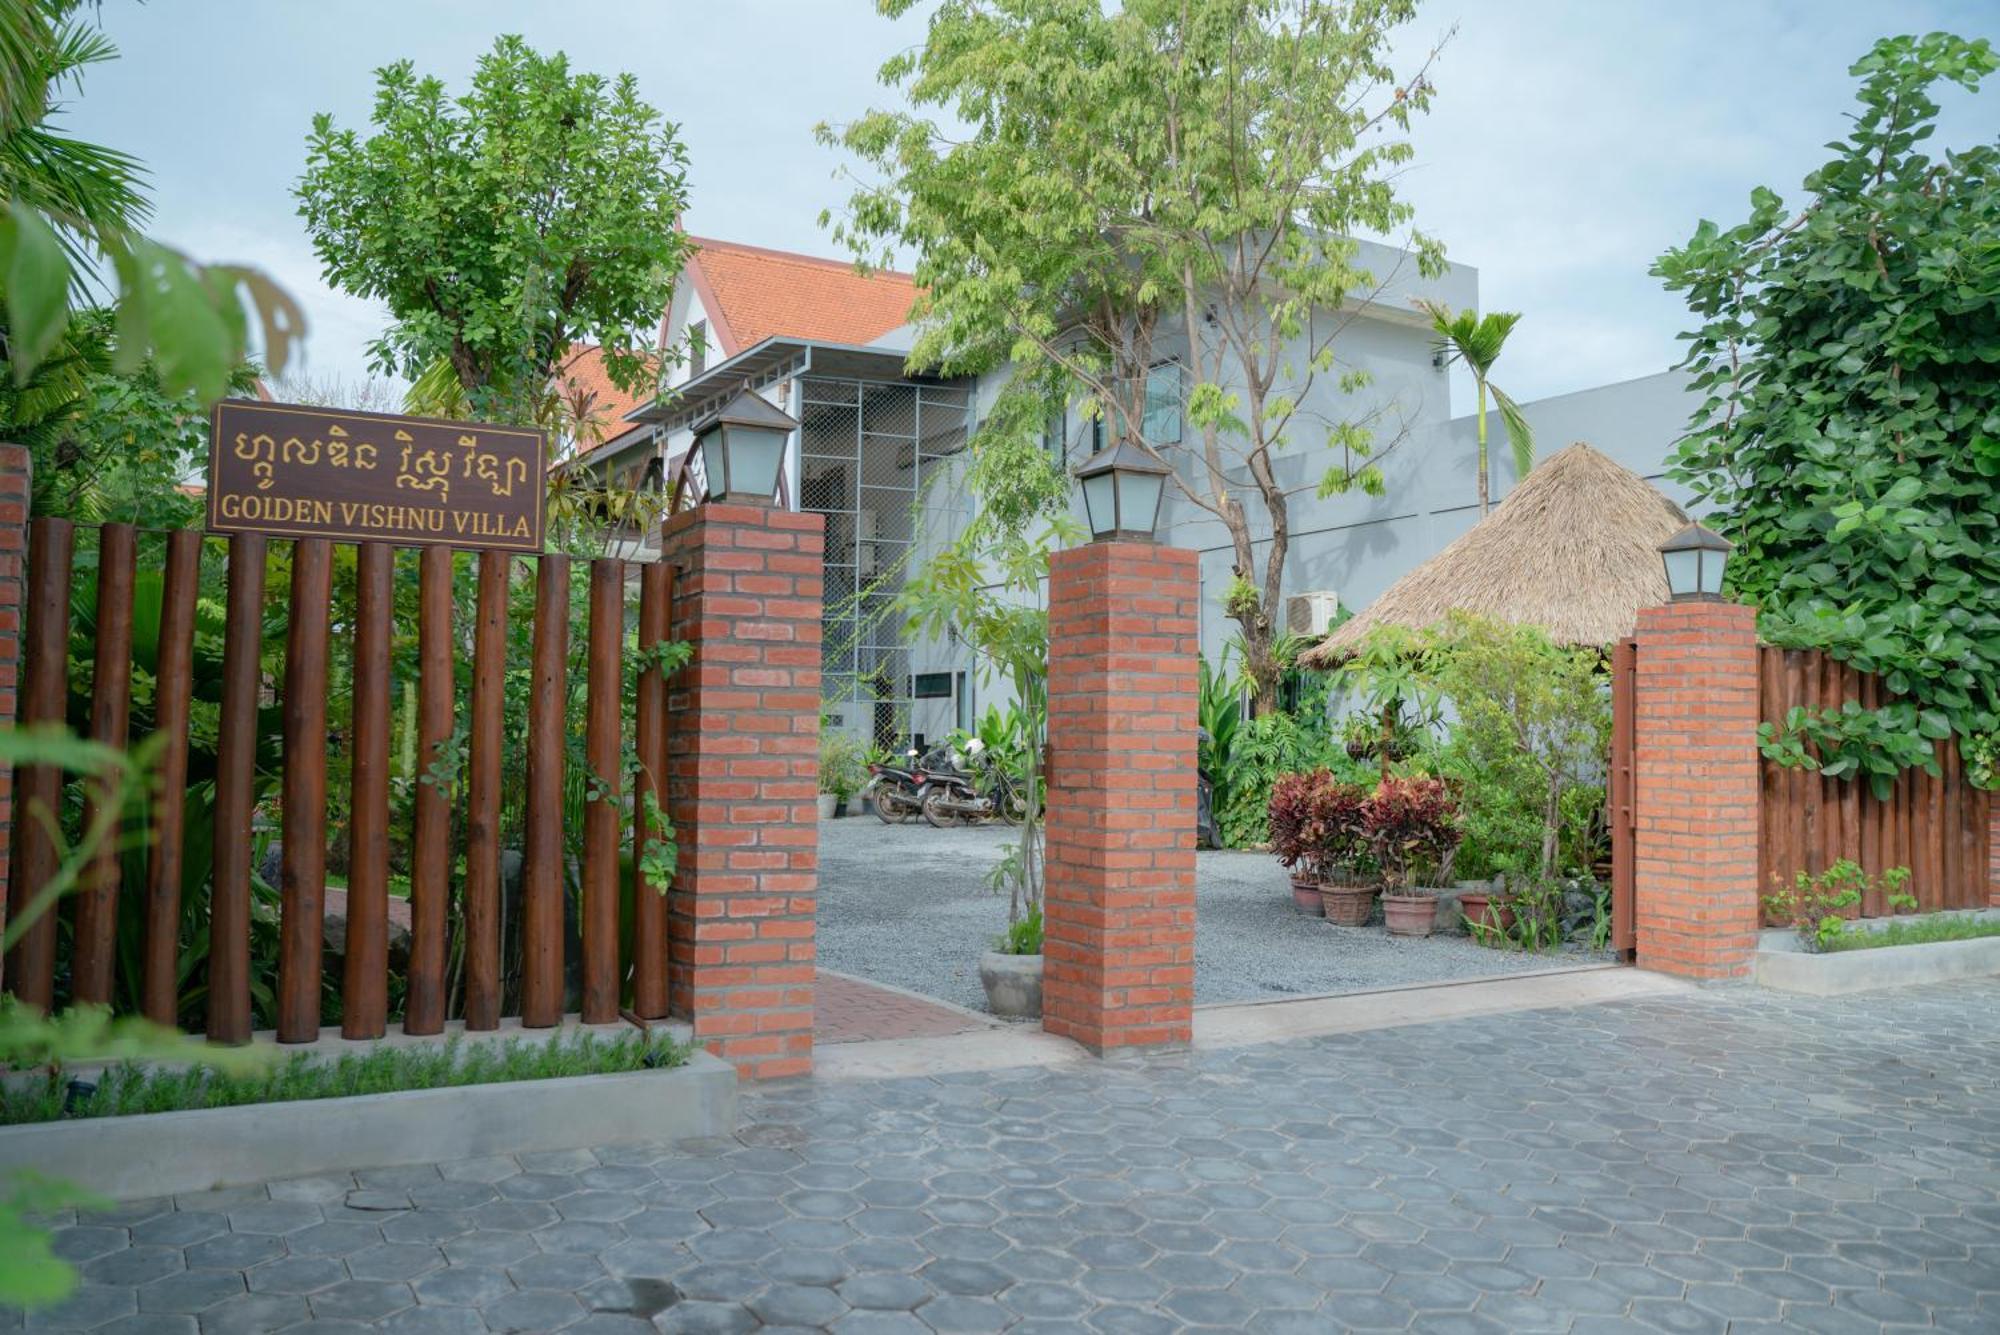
{"points": [[1411, 824]]}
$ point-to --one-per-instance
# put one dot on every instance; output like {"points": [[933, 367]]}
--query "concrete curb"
{"points": [[1849, 971], [162, 1154]]}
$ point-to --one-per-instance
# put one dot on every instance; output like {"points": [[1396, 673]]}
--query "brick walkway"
{"points": [[852, 1010]]}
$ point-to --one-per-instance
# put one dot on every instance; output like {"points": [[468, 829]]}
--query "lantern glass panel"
{"points": [[755, 456], [1100, 504], [1139, 501], [1711, 572], [1683, 572]]}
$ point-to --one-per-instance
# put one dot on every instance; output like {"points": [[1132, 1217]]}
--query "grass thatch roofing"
{"points": [[1574, 550]]}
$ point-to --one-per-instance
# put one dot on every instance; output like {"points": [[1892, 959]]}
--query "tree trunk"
{"points": [[1485, 469], [1551, 827]]}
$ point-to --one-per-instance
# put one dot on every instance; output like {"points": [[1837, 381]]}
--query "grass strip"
{"points": [[130, 1088], [1924, 931]]}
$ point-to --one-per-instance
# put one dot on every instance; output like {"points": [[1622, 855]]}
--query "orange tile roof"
{"points": [[592, 396], [751, 294]]}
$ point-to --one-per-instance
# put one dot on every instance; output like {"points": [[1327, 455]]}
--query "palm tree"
{"points": [[1476, 341]]}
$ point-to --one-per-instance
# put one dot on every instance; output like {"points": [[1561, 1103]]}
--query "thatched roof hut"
{"points": [[1574, 549]]}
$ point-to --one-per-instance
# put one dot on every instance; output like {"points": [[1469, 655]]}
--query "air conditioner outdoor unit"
{"points": [[1311, 613]]}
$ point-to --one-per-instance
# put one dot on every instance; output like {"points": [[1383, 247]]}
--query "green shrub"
{"points": [[1264, 749], [1816, 906], [1024, 935]]}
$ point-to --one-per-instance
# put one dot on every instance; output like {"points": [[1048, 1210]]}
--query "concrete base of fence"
{"points": [[1783, 965], [160, 1154]]}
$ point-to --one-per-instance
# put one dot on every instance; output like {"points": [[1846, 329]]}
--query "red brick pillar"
{"points": [[13, 568], [1118, 913], [742, 766], [1696, 797]]}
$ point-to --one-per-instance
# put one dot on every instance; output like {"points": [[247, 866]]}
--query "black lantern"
{"points": [[1122, 487], [1695, 557], [742, 447]]}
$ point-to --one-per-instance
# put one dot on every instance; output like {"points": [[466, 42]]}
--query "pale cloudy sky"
{"points": [[1571, 140]]}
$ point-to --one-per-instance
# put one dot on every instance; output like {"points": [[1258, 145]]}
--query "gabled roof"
{"points": [[1573, 550], [751, 294]]}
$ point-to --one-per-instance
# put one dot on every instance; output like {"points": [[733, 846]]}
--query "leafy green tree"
{"points": [[1849, 438], [1475, 341], [538, 210], [1100, 192], [69, 208], [128, 448]]}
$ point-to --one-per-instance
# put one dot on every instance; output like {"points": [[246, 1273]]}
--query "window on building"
{"points": [[1163, 404], [931, 686], [697, 348]]}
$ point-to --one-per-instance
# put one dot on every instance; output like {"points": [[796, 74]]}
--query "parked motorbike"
{"points": [[896, 792], [972, 792]]}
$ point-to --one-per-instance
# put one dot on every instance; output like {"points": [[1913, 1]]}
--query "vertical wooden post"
{"points": [[235, 790], [649, 902], [482, 817], [96, 945], [1624, 655], [364, 1006], [302, 866], [542, 873], [600, 816], [173, 686], [430, 841], [31, 964], [16, 470]]}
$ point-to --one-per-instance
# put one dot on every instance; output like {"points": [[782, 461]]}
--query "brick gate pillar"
{"points": [[1695, 795], [742, 766], [1118, 912], [13, 577]]}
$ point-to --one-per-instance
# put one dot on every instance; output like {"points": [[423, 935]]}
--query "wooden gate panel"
{"points": [[1937, 826], [310, 734]]}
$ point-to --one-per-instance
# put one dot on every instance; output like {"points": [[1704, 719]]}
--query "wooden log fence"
{"points": [[459, 938], [1938, 827]]}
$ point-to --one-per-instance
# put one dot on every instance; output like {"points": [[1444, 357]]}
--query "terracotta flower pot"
{"points": [[1348, 905], [1480, 910], [1410, 912], [1305, 897]]}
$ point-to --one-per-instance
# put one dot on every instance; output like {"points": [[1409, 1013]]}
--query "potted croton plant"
{"points": [[1413, 829], [1341, 854], [1291, 819]]}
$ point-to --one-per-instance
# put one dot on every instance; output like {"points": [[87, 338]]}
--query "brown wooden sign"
{"points": [[295, 471]]}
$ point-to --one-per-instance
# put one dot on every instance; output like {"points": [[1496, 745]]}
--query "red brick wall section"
{"points": [[1118, 950], [1696, 801], [743, 767], [13, 576]]}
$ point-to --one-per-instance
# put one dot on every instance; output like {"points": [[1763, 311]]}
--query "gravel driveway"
{"points": [[908, 905]]}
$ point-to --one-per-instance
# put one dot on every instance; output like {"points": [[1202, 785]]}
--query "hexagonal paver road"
{"points": [[1728, 1161]]}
